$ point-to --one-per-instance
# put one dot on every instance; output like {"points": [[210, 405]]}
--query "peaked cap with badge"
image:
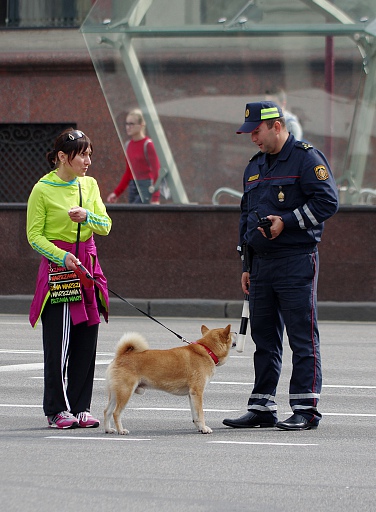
{"points": [[256, 113]]}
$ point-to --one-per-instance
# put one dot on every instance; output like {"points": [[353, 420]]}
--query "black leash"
{"points": [[149, 316], [84, 274]]}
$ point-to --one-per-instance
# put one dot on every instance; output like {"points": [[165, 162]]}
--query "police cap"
{"points": [[256, 113]]}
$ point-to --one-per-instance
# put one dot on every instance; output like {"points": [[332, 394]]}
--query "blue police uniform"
{"points": [[298, 187]]}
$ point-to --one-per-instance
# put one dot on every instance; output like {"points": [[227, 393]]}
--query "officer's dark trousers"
{"points": [[69, 361], [283, 292]]}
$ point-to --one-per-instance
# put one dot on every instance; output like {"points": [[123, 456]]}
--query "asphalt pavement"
{"points": [[164, 464]]}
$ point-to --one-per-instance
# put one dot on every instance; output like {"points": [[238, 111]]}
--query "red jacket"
{"points": [[142, 163]]}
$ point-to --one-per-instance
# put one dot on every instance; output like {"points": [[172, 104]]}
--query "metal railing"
{"points": [[225, 190], [367, 196]]}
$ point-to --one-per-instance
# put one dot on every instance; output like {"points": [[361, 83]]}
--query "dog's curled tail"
{"points": [[131, 342]]}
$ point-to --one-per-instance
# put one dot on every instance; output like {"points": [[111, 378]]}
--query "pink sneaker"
{"points": [[86, 420], [63, 419]]}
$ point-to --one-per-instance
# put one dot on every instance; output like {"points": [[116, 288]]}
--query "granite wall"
{"points": [[187, 252]]}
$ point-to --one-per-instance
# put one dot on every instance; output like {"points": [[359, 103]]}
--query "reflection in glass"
{"points": [[191, 66]]}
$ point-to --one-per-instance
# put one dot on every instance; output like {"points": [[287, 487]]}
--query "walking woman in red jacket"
{"points": [[142, 164]]}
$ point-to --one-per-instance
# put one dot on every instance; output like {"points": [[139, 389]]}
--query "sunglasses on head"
{"points": [[76, 134]]}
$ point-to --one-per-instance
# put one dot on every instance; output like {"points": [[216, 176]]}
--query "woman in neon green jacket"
{"points": [[64, 210]]}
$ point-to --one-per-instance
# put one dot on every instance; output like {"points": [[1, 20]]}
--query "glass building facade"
{"points": [[192, 65]]}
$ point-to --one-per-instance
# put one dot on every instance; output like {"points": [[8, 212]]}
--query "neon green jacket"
{"points": [[48, 219]]}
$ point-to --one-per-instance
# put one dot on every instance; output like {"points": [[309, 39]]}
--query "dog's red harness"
{"points": [[211, 354]]}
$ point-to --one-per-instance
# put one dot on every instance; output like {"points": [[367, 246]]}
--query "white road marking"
{"points": [[347, 386], [184, 409], [84, 438], [21, 367], [260, 443], [125, 438], [177, 409], [366, 415], [334, 386], [21, 405], [20, 351], [39, 366], [232, 383]]}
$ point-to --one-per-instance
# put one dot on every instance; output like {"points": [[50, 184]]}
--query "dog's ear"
{"points": [[204, 330], [226, 330]]}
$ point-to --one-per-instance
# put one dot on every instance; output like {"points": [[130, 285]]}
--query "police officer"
{"points": [[288, 184]]}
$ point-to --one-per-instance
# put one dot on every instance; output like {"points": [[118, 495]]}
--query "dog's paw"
{"points": [[206, 430], [110, 431], [123, 432]]}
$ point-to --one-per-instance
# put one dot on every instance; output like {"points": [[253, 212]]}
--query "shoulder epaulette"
{"points": [[303, 145]]}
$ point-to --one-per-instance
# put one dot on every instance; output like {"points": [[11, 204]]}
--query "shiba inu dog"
{"points": [[181, 371]]}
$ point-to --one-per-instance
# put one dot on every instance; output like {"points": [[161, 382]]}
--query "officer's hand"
{"points": [[245, 282], [276, 228]]}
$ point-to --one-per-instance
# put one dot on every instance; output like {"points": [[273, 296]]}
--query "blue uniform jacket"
{"points": [[299, 187]]}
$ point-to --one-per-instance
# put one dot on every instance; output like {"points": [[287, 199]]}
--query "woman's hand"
{"points": [[71, 261], [77, 214]]}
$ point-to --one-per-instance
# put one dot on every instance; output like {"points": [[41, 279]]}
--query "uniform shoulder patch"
{"points": [[303, 145], [321, 172]]}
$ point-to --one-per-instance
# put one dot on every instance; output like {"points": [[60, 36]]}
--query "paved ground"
{"points": [[201, 308], [164, 464]]}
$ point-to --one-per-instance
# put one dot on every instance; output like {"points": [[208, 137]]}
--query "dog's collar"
{"points": [[211, 354]]}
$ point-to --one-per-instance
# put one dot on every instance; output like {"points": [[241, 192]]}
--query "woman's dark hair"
{"points": [[71, 142]]}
